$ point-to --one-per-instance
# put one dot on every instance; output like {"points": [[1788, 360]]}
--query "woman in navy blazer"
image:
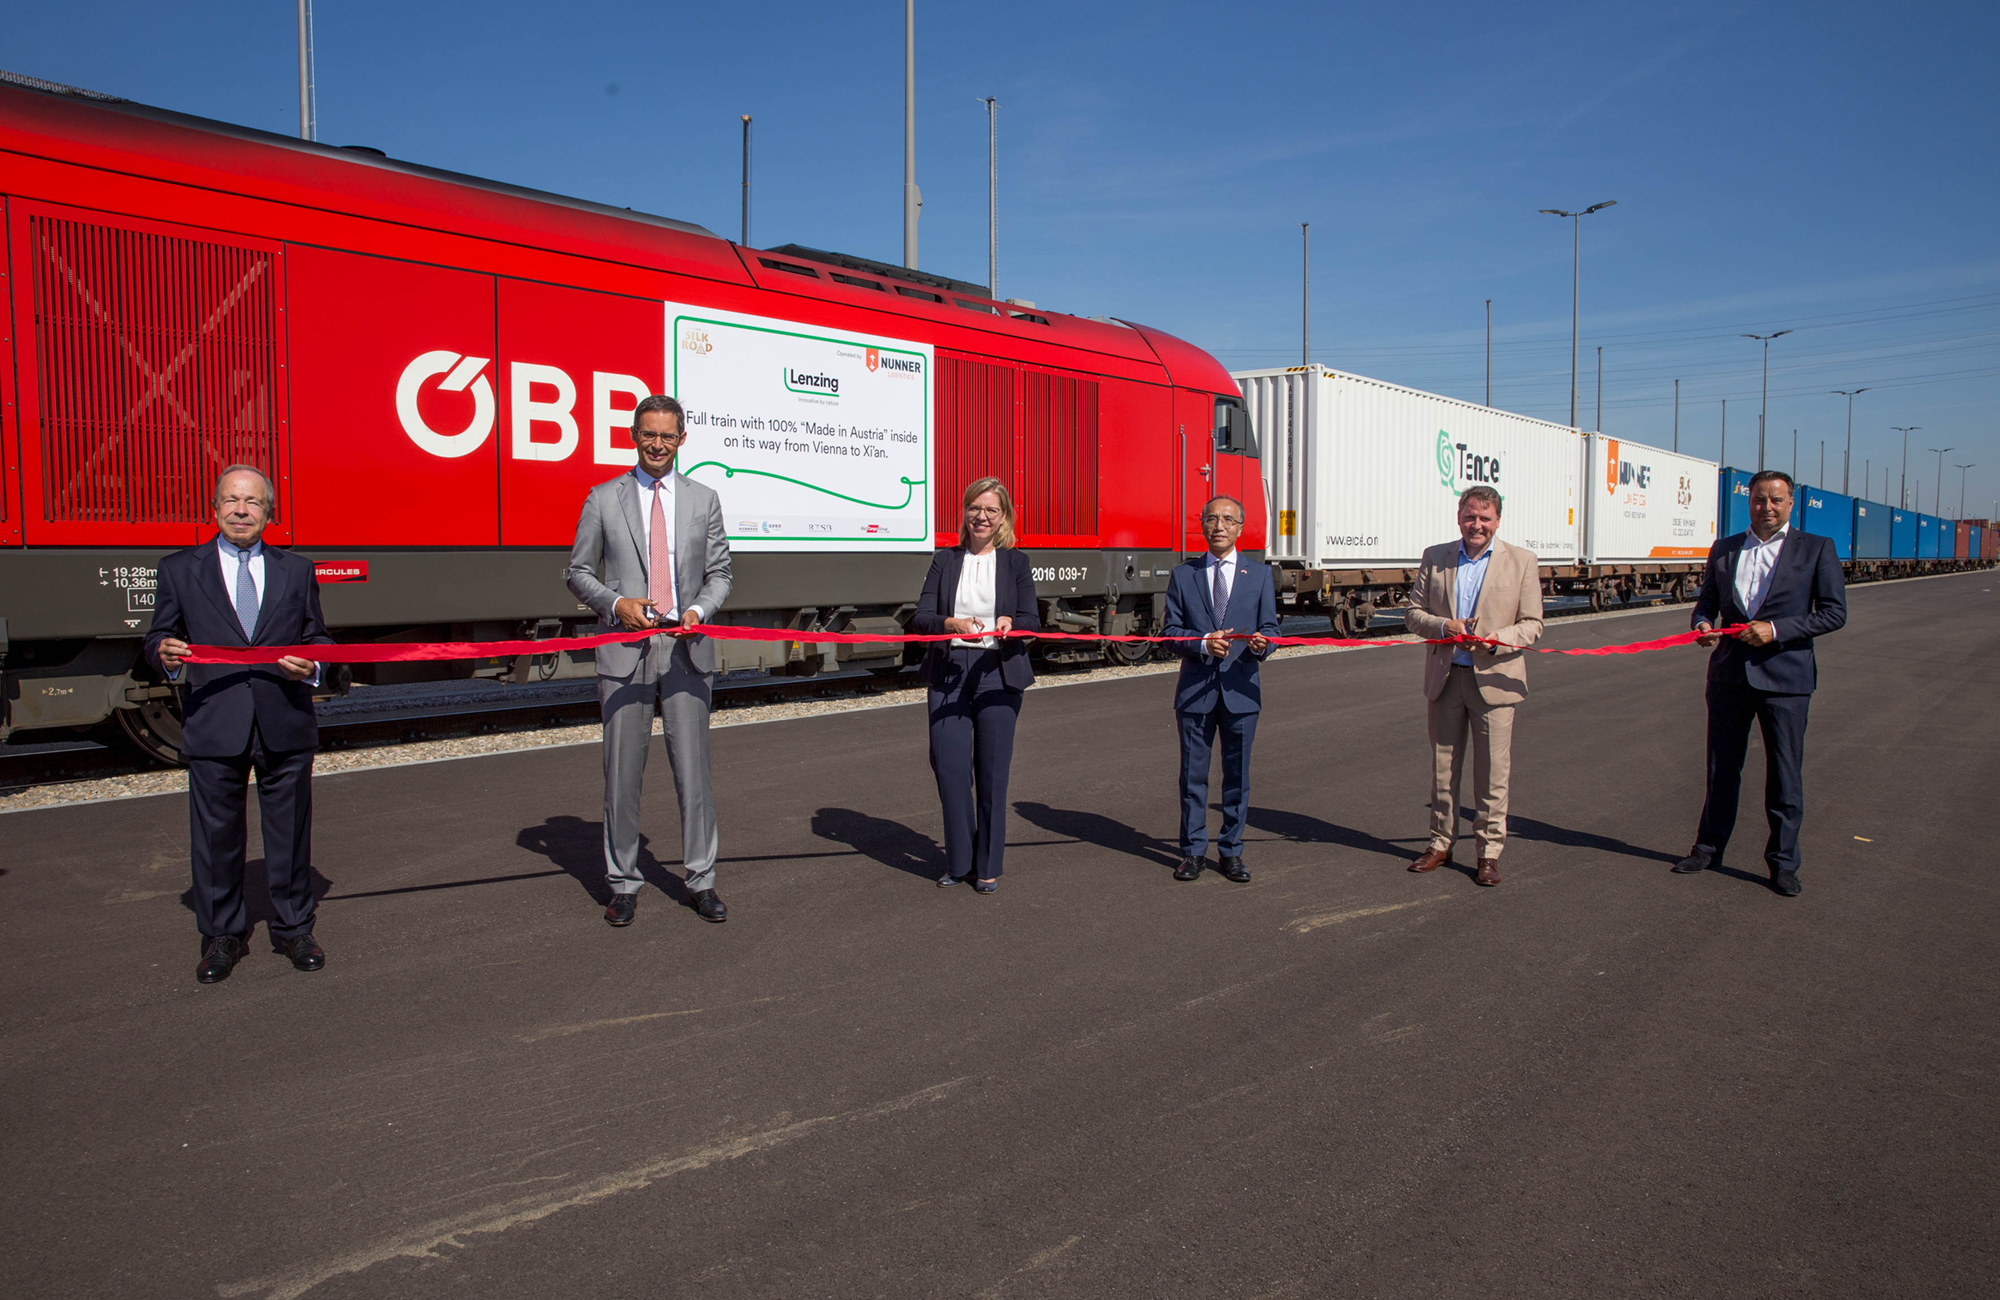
{"points": [[975, 589]]}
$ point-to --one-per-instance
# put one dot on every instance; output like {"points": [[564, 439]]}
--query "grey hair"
{"points": [[1481, 493], [1242, 515], [657, 404], [270, 491]]}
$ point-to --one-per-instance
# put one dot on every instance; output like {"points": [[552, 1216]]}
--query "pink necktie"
{"points": [[660, 557]]}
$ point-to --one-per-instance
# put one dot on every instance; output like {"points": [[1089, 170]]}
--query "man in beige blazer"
{"points": [[1478, 586]]}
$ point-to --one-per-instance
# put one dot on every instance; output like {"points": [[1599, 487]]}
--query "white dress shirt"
{"points": [[1753, 568], [1227, 564], [644, 483], [978, 584]]}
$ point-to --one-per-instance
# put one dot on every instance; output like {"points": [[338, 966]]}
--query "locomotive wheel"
{"points": [[154, 728], [1124, 654]]}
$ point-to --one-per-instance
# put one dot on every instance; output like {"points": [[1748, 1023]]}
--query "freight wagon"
{"points": [[1874, 541], [433, 368], [1362, 475]]}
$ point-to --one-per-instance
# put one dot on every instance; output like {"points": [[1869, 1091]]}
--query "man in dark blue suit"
{"points": [[1210, 597], [236, 591], [1783, 587]]}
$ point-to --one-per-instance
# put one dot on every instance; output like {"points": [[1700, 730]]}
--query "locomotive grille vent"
{"points": [[156, 365]]}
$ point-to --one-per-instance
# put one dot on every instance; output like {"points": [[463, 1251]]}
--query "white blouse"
{"points": [[978, 578]]}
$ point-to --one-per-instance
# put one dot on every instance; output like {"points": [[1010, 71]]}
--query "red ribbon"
{"points": [[402, 651]]}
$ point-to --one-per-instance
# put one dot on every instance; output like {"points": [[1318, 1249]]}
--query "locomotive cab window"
{"points": [[1232, 427]]}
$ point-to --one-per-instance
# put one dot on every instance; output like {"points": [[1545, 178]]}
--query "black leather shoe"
{"points": [[305, 952], [1786, 883], [708, 907], [622, 909], [218, 959], [1233, 869], [947, 880], [1189, 868], [1698, 859]]}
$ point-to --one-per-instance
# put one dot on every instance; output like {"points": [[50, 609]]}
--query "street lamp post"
{"points": [[1764, 411], [1489, 352], [1961, 486], [746, 180], [1903, 483], [913, 198], [308, 125], [1677, 415], [1847, 457], [1937, 497], [1600, 390], [992, 197], [1575, 287]]}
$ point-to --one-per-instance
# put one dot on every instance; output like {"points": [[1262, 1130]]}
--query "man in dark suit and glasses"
{"points": [[1218, 693], [240, 718], [1783, 587]]}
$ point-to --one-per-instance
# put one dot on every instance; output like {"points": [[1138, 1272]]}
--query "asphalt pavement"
{"points": [[1599, 1079]]}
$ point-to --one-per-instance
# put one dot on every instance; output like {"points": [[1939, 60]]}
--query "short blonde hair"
{"points": [[1003, 536]]}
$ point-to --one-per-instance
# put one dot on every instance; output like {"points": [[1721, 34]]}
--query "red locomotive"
{"points": [[433, 368]]}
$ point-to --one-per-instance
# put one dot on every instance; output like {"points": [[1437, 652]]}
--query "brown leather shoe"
{"points": [[1489, 872], [1432, 860]]}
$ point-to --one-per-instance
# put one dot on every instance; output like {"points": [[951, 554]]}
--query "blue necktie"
{"points": [[1221, 598], [246, 596]]}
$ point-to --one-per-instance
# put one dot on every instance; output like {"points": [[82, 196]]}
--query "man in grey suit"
{"points": [[651, 553]]}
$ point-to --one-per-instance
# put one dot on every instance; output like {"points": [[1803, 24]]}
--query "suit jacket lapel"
{"points": [[208, 577], [954, 564], [276, 582], [624, 489], [1495, 557], [1204, 584], [686, 583], [1450, 575], [1239, 587], [1732, 562]]}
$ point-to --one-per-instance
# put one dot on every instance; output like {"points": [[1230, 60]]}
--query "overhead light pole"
{"points": [[1677, 415], [1576, 287], [913, 199], [992, 197], [746, 180], [1764, 411], [1846, 457], [308, 126], [1723, 456], [1937, 497], [1903, 484], [1961, 487], [1305, 293], [1600, 391], [1489, 352]]}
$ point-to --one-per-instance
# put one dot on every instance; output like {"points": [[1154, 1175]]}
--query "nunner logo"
{"points": [[817, 385], [1619, 472]]}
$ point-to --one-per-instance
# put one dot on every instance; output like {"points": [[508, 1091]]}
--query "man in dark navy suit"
{"points": [[1783, 587], [1218, 694], [236, 591]]}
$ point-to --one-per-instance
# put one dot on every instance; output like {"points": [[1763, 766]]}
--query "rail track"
{"points": [[448, 711]]}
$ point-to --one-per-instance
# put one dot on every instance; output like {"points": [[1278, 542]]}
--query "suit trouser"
{"points": [[1198, 735], [1731, 709], [218, 798], [972, 749], [666, 680], [1460, 719]]}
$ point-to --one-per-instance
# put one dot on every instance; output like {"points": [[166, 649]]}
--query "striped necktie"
{"points": [[1221, 596], [246, 596]]}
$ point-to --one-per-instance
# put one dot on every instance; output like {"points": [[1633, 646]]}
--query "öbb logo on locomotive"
{"points": [[540, 398]]}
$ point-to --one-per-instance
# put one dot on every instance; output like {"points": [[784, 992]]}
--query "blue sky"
{"points": [[1824, 168]]}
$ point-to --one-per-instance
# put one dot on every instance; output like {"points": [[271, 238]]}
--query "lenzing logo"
{"points": [[1459, 467], [817, 385]]}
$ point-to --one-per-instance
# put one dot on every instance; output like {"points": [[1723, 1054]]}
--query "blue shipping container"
{"points": [[1903, 535], [1732, 514], [1928, 533], [1828, 514], [1978, 545], [1871, 530]]}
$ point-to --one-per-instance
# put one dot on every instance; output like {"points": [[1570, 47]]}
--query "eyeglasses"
{"points": [[668, 438], [983, 512], [1228, 521]]}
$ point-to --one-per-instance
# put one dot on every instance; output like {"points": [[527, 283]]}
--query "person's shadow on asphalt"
{"points": [[577, 846], [1097, 829], [890, 843], [1303, 828], [257, 904]]}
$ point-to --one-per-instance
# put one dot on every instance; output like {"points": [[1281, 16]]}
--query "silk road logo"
{"points": [[695, 339], [1459, 467], [460, 373]]}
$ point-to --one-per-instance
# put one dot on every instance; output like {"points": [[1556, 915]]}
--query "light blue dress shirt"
{"points": [[1471, 577]]}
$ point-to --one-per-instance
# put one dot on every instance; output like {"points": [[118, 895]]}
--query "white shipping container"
{"points": [[1363, 474], [1646, 504]]}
